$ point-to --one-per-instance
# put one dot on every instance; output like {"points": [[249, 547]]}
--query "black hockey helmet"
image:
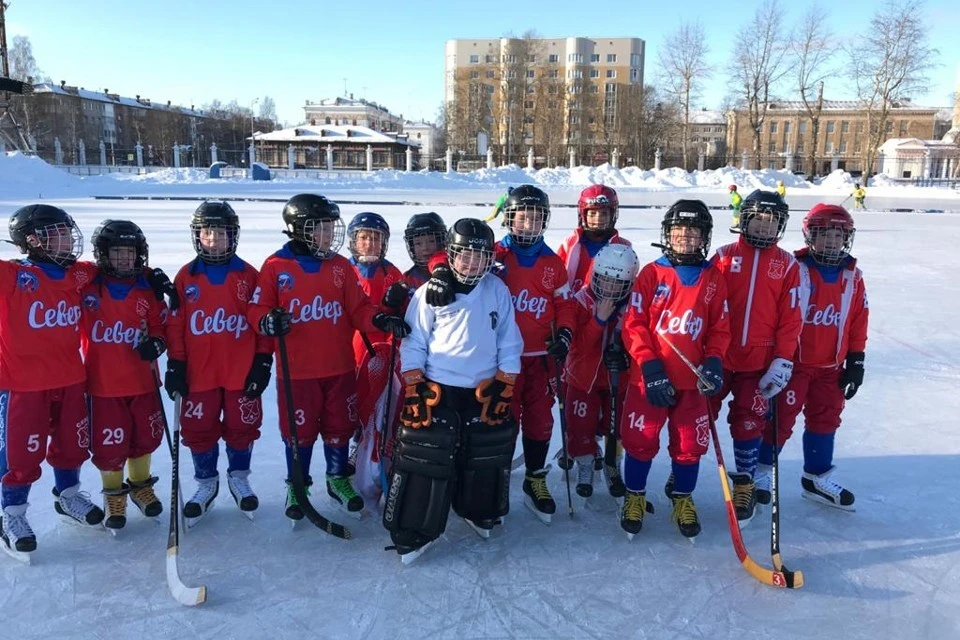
{"points": [[535, 202], [215, 215], [686, 214], [470, 250], [768, 208], [41, 231], [303, 213], [424, 224], [111, 234]]}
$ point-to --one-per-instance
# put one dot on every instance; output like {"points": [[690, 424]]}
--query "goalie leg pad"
{"points": [[483, 478]]}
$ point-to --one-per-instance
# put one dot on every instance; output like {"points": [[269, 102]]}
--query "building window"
{"points": [[491, 73], [594, 73], [844, 126], [530, 88], [488, 59], [611, 57], [635, 60], [786, 127], [553, 73], [528, 104], [574, 57], [610, 87], [843, 146], [773, 128], [611, 73], [531, 58], [859, 127], [802, 127], [553, 58], [530, 73], [889, 126], [474, 75], [800, 147], [594, 89], [903, 128], [511, 75], [474, 59], [772, 147], [594, 57], [510, 59], [634, 74], [828, 148], [831, 126]]}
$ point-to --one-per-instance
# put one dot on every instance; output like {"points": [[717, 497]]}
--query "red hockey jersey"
{"points": [[210, 330], [835, 312], [374, 280], [575, 255], [115, 316], [327, 304], [40, 324], [763, 288], [669, 305], [584, 365]]}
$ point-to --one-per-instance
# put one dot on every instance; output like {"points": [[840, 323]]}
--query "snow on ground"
{"points": [[890, 570]]}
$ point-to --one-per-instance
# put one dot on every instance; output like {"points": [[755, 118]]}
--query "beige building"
{"points": [[356, 113], [546, 94], [786, 138]]}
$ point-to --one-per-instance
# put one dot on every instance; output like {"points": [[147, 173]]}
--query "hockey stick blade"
{"points": [[188, 596]]}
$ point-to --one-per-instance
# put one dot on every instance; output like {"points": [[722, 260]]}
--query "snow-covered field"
{"points": [[889, 570]]}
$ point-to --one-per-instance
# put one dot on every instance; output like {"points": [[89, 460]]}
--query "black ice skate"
{"points": [[536, 495], [820, 488]]}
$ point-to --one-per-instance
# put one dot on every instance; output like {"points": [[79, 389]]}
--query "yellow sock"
{"points": [[112, 479], [138, 469]]}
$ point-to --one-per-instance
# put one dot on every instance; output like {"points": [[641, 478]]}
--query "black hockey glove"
{"points": [[558, 346], [852, 376], [419, 398], [616, 359], [259, 375], [161, 285], [275, 323], [175, 380], [712, 372], [396, 294], [440, 286], [391, 324], [496, 394], [151, 347], [660, 391]]}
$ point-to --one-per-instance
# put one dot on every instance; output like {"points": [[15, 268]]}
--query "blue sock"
{"points": [[766, 454], [635, 473], [306, 454], [745, 452], [336, 458], [238, 459], [11, 496], [685, 476], [205, 463], [817, 452], [65, 478]]}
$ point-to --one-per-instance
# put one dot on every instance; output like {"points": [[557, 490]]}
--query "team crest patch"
{"points": [[243, 291], [142, 307], [776, 270], [663, 290], [760, 405], [28, 282], [156, 424], [83, 434], [91, 302], [285, 281], [250, 412], [192, 292], [548, 277], [338, 276], [81, 276], [710, 292]]}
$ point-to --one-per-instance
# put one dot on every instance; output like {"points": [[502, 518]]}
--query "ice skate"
{"points": [[143, 497], [115, 509], [18, 539], [744, 497], [202, 501], [341, 491], [74, 507], [820, 488], [685, 515], [242, 494], [536, 495]]}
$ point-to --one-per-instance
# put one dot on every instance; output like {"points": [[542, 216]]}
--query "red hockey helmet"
{"points": [[732, 187], [602, 199], [828, 232]]}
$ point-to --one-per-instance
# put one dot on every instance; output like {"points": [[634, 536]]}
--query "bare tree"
{"points": [[758, 63], [684, 69], [891, 61], [23, 66], [813, 47], [268, 110]]}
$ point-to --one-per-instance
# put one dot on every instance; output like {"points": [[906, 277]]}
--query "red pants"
{"points": [[324, 407], [533, 397], [689, 428], [32, 418], [122, 428], [207, 416], [748, 409], [587, 413], [815, 390]]}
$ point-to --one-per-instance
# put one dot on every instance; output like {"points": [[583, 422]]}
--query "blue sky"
{"points": [[192, 51]]}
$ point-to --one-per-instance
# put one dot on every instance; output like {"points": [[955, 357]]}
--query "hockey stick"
{"points": [[610, 444], [563, 429], [779, 576], [189, 596], [775, 499], [297, 480], [387, 414]]}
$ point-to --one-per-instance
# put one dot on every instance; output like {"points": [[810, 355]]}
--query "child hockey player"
{"points": [[216, 362], [763, 285], [680, 299], [43, 413], [597, 211], [736, 201], [424, 236], [123, 329], [309, 291], [859, 196], [457, 437], [600, 308], [828, 365]]}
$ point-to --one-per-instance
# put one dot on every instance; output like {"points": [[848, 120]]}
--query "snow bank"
{"points": [[30, 177]]}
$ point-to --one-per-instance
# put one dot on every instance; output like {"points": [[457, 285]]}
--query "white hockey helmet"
{"points": [[614, 271]]}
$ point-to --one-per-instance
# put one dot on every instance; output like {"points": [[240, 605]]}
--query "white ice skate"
{"points": [[242, 494], [75, 508], [16, 537], [202, 501]]}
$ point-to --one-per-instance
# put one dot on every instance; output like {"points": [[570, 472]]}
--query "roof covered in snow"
{"points": [[113, 98], [330, 133], [845, 105]]}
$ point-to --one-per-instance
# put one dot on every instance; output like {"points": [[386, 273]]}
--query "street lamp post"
{"points": [[253, 140]]}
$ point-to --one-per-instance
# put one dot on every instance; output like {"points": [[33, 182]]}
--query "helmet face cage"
{"points": [[469, 263], [608, 287], [526, 223], [211, 231], [829, 239], [355, 250], [762, 234], [331, 238], [614, 270], [601, 204], [410, 237], [689, 230], [106, 238], [59, 242]]}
